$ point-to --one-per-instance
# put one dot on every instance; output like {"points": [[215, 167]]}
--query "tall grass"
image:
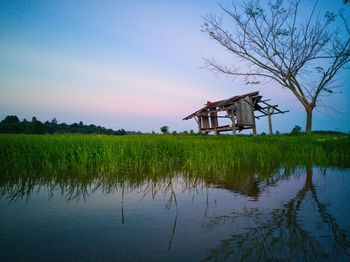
{"points": [[91, 154], [73, 163]]}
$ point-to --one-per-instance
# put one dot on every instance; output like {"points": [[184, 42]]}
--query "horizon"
{"points": [[45, 122], [135, 65]]}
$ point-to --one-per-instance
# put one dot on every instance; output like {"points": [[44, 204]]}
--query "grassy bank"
{"points": [[75, 164], [85, 154]]}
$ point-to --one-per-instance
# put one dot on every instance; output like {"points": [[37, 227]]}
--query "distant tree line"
{"points": [[12, 124]]}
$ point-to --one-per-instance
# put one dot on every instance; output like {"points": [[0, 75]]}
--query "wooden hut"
{"points": [[240, 110]]}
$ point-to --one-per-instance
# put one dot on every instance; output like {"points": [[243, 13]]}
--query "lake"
{"points": [[295, 214]]}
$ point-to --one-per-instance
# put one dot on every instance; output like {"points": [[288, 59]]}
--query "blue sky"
{"points": [[135, 65]]}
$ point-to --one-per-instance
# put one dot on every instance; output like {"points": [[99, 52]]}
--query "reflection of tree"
{"points": [[282, 236]]}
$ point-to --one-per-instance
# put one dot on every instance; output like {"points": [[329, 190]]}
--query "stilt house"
{"points": [[240, 110]]}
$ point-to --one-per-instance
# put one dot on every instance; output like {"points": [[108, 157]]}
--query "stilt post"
{"points": [[269, 112]]}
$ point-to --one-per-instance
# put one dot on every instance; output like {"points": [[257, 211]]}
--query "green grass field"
{"points": [[85, 154], [75, 163]]}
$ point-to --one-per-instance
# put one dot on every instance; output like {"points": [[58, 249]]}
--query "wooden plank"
{"points": [[205, 122], [251, 114], [275, 113], [233, 120], [245, 112], [270, 111], [213, 119]]}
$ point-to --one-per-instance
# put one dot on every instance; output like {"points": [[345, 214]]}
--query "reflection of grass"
{"points": [[75, 162], [80, 164], [100, 154]]}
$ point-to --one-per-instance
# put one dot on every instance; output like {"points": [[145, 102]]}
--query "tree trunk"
{"points": [[308, 181], [308, 119]]}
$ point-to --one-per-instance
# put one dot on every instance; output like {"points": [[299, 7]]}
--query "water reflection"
{"points": [[276, 213], [282, 235], [78, 186]]}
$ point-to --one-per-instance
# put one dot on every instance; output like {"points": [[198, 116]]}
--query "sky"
{"points": [[133, 64]]}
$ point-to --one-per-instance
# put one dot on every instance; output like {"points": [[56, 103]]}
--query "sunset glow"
{"points": [[136, 65]]}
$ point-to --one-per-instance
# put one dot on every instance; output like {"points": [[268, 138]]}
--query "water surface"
{"points": [[298, 214]]}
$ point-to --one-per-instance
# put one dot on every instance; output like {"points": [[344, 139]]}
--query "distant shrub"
{"points": [[296, 130], [164, 129]]}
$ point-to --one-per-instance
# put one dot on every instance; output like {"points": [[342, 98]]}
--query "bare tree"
{"points": [[300, 53]]}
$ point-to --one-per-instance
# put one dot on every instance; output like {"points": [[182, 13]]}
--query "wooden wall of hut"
{"points": [[205, 121], [213, 119], [244, 113]]}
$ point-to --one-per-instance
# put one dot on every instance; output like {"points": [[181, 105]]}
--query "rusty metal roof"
{"points": [[221, 103]]}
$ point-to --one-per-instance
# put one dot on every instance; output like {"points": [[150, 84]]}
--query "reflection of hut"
{"points": [[247, 182], [238, 109], [248, 186]]}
